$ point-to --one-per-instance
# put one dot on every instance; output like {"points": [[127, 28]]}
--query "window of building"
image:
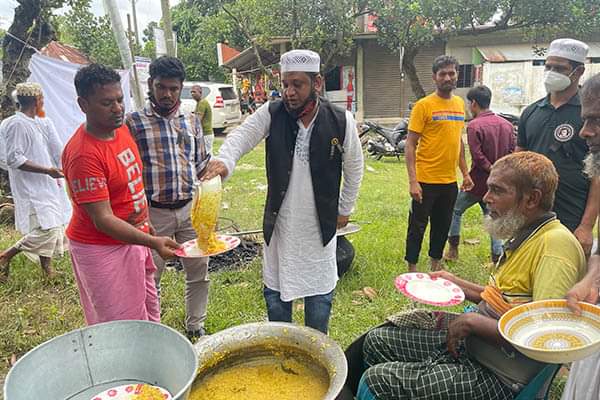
{"points": [[466, 76], [333, 80], [538, 63], [595, 60]]}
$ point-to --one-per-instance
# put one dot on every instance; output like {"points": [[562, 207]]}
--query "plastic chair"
{"points": [[539, 387]]}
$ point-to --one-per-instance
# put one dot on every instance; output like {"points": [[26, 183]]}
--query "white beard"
{"points": [[591, 165], [505, 226]]}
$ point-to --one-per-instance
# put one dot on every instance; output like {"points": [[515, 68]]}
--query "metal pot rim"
{"points": [[217, 347]]}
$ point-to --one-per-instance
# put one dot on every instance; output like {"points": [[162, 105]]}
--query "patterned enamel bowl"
{"points": [[548, 331]]}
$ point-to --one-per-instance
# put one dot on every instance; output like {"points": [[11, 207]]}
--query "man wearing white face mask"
{"points": [[550, 126]]}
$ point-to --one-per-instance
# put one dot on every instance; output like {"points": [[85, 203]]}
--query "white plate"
{"points": [[437, 292], [126, 392], [189, 249]]}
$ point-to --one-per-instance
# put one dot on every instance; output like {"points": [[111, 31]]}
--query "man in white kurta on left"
{"points": [[33, 160], [310, 144]]}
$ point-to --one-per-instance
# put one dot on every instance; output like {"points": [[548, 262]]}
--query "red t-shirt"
{"points": [[98, 170]]}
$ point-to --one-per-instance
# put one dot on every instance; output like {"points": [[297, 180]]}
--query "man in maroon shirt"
{"points": [[490, 137]]}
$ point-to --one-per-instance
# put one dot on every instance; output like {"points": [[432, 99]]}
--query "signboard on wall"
{"points": [[142, 66], [161, 45]]}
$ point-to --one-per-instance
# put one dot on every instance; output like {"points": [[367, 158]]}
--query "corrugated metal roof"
{"points": [[246, 60], [523, 52], [65, 52]]}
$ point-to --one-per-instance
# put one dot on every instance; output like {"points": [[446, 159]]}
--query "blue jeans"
{"points": [[464, 201], [317, 309]]}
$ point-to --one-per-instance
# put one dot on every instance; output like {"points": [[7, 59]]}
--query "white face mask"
{"points": [[556, 82]]}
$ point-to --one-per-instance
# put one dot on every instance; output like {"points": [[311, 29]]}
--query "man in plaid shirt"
{"points": [[173, 154]]}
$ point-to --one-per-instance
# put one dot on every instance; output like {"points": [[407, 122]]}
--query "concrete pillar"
{"points": [[234, 80], [360, 83]]}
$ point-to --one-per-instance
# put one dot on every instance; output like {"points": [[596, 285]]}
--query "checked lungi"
{"points": [[410, 361]]}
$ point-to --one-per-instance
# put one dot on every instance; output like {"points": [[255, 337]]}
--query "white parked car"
{"points": [[221, 97]]}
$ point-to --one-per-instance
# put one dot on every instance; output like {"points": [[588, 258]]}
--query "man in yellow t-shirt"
{"points": [[434, 149], [204, 112]]}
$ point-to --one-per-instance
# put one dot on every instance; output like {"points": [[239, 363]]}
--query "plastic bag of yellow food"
{"points": [[205, 211]]}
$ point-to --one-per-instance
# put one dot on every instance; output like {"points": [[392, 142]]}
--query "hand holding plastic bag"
{"points": [[205, 212]]}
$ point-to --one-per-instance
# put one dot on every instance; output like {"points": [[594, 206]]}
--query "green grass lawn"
{"points": [[34, 309]]}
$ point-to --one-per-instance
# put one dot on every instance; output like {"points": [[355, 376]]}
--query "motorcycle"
{"points": [[513, 119], [248, 106], [384, 142]]}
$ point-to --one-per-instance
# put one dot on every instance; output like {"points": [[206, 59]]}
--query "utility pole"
{"points": [[166, 16], [137, 94], [111, 9], [135, 24]]}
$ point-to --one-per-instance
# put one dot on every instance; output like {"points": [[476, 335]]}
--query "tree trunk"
{"points": [[408, 66], [27, 24]]}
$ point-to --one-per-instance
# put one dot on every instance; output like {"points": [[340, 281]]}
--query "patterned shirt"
{"points": [[172, 150]]}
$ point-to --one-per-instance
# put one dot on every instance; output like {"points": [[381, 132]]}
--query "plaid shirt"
{"points": [[172, 150]]}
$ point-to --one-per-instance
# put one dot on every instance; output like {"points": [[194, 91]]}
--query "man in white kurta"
{"points": [[297, 264], [33, 160]]}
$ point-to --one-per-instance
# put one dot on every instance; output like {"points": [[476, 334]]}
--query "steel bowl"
{"points": [[82, 363], [548, 331], [216, 350]]}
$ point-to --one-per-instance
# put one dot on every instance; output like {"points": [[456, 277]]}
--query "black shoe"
{"points": [[194, 335]]}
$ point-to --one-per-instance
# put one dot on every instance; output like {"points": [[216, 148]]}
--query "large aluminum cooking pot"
{"points": [[214, 351], [82, 363]]}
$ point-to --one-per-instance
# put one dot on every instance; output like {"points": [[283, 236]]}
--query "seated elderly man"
{"points": [[437, 355]]}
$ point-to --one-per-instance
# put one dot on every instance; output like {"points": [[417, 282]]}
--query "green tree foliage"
{"points": [[149, 45], [326, 26], [148, 32], [31, 24], [197, 36], [90, 34], [418, 23]]}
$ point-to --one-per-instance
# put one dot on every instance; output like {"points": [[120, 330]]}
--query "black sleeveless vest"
{"points": [[325, 163]]}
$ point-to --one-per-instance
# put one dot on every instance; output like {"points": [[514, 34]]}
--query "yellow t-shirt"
{"points": [[545, 266], [439, 123]]}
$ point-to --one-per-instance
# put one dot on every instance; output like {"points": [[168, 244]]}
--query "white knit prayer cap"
{"points": [[570, 49], [300, 61], [29, 89]]}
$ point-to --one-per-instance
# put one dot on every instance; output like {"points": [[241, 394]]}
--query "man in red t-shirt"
{"points": [[109, 232]]}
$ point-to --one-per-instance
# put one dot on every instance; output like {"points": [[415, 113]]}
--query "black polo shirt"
{"points": [[554, 132]]}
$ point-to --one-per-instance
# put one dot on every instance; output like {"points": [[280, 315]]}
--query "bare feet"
{"points": [[451, 253], [50, 273], [46, 263]]}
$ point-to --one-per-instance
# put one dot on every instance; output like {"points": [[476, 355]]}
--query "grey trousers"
{"points": [[177, 224]]}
